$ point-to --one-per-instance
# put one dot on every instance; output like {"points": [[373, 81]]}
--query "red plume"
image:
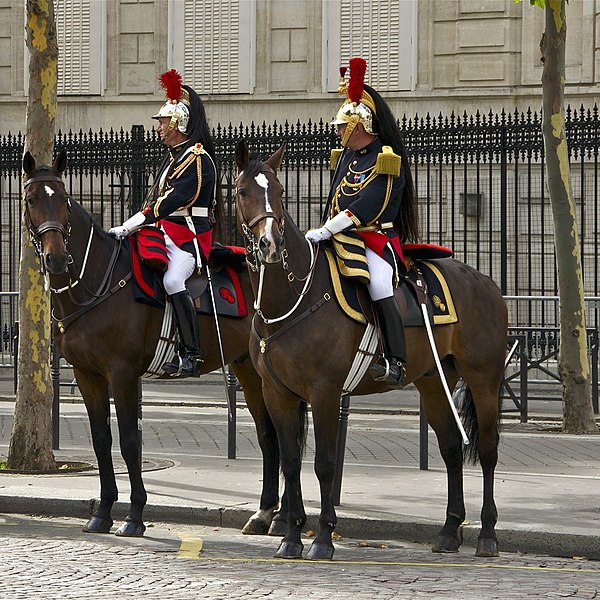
{"points": [[343, 71], [358, 68], [170, 81]]}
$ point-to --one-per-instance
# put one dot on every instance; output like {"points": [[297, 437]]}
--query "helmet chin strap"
{"points": [[172, 124], [352, 123]]}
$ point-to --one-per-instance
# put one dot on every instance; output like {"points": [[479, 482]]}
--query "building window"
{"points": [[383, 33], [80, 29], [213, 44]]}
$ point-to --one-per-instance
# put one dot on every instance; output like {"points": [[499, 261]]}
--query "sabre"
{"points": [[438, 363]]}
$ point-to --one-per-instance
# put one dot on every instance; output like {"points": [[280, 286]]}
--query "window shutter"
{"points": [[380, 32], [79, 31], [216, 55]]}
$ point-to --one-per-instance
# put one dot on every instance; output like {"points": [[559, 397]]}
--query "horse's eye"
{"points": [[242, 192], [30, 200]]}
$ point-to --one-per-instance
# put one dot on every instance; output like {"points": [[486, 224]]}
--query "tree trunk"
{"points": [[573, 363], [31, 439]]}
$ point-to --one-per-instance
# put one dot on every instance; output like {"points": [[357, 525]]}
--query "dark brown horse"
{"points": [[304, 345], [112, 340]]}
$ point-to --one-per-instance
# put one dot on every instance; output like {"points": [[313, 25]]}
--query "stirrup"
{"points": [[386, 373], [176, 367]]}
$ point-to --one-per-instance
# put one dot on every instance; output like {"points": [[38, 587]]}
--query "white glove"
{"points": [[119, 232], [340, 222], [318, 235], [132, 224]]}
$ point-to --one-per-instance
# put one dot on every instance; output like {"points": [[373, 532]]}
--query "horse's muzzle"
{"points": [[56, 264], [270, 248]]}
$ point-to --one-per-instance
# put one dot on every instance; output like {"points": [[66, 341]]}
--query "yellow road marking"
{"points": [[190, 548]]}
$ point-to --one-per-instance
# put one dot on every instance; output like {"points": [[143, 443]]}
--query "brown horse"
{"points": [[303, 348], [110, 341]]}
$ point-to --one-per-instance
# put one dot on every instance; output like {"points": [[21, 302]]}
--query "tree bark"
{"points": [[30, 445], [573, 363]]}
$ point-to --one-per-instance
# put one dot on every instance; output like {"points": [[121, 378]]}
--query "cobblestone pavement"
{"points": [[51, 558]]}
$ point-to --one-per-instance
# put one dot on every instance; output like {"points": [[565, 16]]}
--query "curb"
{"points": [[560, 544]]}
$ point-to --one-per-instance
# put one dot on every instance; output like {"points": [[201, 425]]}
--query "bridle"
{"points": [[252, 247], [37, 232], [252, 250]]}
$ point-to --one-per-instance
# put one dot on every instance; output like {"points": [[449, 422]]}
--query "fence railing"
{"points": [[480, 180]]}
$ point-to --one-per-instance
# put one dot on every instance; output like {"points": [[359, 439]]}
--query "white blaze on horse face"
{"points": [[49, 190], [263, 182]]}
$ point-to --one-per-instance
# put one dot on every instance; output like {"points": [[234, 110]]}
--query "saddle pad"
{"points": [[229, 298], [439, 299], [147, 287]]}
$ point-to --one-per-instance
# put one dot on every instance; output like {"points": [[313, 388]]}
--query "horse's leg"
{"points": [[94, 390], [441, 419], [124, 388], [261, 521], [284, 411], [482, 404], [326, 421]]}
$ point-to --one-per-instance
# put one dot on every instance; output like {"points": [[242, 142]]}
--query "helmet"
{"points": [[359, 107], [178, 102]]}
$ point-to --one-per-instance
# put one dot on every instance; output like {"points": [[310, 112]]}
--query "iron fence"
{"points": [[480, 180]]}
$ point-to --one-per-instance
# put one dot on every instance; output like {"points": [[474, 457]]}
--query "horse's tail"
{"points": [[468, 413], [303, 431]]}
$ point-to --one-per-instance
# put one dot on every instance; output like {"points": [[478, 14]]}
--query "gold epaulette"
{"points": [[335, 156], [388, 163], [197, 149]]}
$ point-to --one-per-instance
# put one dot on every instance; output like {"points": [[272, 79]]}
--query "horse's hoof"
{"points": [[278, 528], [289, 550], [256, 527], [98, 525], [131, 529], [446, 544], [487, 547], [320, 552]]}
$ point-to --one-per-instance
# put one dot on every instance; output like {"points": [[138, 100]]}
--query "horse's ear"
{"points": [[241, 155], [28, 163], [60, 164], [274, 161]]}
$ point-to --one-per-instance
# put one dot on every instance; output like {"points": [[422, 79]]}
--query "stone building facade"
{"points": [[266, 60]]}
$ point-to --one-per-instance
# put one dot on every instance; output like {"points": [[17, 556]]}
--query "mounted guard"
{"points": [[185, 203], [372, 209]]}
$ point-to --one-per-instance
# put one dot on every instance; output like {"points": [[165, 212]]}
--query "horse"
{"points": [[110, 341], [303, 347]]}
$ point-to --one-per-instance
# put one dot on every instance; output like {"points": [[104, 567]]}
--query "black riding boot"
{"points": [[185, 364], [392, 328]]}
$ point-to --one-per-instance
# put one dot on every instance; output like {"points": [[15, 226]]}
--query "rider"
{"points": [[372, 199], [184, 202]]}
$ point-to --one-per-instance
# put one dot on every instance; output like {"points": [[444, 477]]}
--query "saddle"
{"points": [[224, 261], [421, 282]]}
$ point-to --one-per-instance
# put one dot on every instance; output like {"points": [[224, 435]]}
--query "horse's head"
{"points": [[47, 208], [259, 203]]}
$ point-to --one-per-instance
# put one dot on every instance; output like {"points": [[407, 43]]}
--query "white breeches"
{"points": [[181, 266], [382, 274]]}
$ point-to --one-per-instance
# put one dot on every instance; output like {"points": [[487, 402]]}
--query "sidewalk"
{"points": [[547, 483]]}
